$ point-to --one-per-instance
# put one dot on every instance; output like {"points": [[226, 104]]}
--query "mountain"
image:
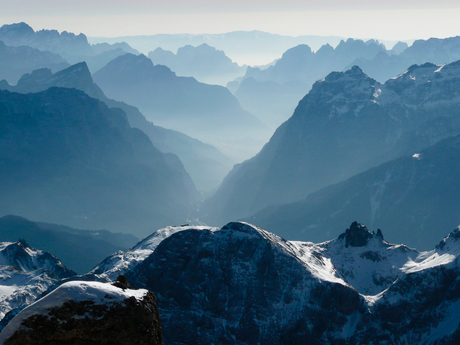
{"points": [[345, 125], [16, 61], [206, 165], [88, 313], [273, 93], [65, 44], [413, 197], [252, 47], [388, 64], [241, 284], [79, 250], [209, 113], [25, 273], [205, 63], [70, 47], [67, 158]]}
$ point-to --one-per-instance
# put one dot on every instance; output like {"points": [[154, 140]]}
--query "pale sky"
{"points": [[386, 19]]}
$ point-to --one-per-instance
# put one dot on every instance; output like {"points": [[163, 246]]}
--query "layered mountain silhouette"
{"points": [[209, 113], [273, 93], [79, 250], [205, 63], [413, 197], [389, 64], [73, 48], [16, 61], [254, 46], [67, 158], [206, 165], [346, 124]]}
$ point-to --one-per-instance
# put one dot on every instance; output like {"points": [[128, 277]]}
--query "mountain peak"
{"points": [[358, 235], [453, 237], [355, 73], [16, 29]]}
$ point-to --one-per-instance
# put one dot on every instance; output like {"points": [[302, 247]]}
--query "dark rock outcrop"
{"points": [[242, 285], [356, 236], [102, 321]]}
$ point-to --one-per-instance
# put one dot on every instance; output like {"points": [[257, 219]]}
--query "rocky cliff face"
{"points": [[346, 124], [88, 313], [67, 158], [243, 285]]}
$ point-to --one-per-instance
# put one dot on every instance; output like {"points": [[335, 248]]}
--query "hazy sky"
{"points": [[385, 19]]}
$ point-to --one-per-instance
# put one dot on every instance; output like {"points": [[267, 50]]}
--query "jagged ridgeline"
{"points": [[241, 284], [67, 158]]}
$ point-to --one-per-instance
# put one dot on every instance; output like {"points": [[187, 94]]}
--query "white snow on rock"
{"points": [[121, 262], [99, 293], [25, 273]]}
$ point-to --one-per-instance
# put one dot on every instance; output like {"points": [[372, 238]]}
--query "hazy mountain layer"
{"points": [[16, 61], [206, 165], [66, 158], [79, 250], [413, 197], [345, 125], [209, 113], [273, 93], [251, 47], [205, 63], [73, 48], [435, 50]]}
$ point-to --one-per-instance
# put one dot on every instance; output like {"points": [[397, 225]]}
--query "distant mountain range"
{"points": [[435, 50], [205, 63], [250, 47], [16, 61], [209, 113], [73, 48], [67, 158], [79, 250], [347, 124], [206, 165], [273, 93]]}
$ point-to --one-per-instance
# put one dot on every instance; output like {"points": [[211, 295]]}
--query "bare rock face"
{"points": [[98, 314]]}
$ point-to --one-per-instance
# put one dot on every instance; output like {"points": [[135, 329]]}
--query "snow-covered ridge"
{"points": [[369, 268], [25, 273], [121, 262], [77, 291]]}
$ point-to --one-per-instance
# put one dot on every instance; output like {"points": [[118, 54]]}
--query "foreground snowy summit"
{"points": [[87, 312]]}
